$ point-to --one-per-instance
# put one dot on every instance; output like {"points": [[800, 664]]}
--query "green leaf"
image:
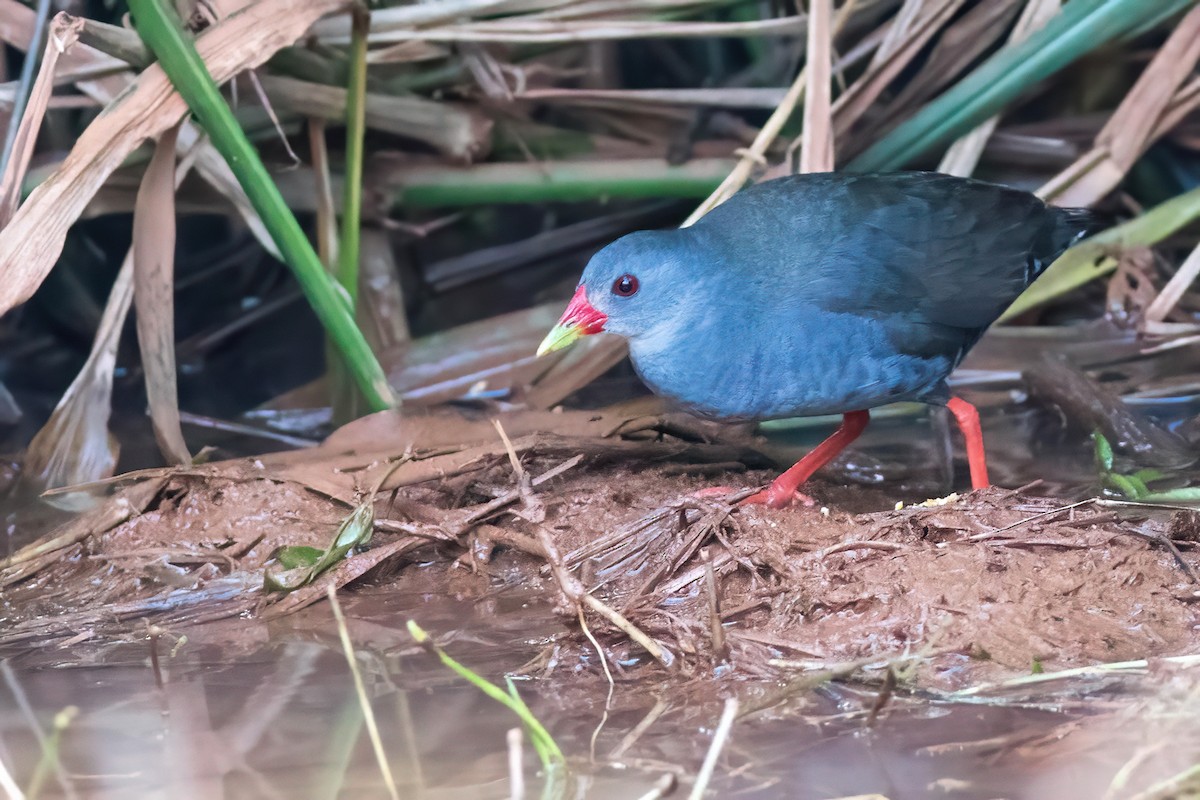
{"points": [[1149, 475], [1138, 486], [355, 530], [300, 565], [298, 556], [1125, 486], [1185, 496], [1104, 452], [547, 749]]}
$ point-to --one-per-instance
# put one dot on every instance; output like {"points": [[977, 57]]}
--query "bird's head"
{"points": [[629, 288]]}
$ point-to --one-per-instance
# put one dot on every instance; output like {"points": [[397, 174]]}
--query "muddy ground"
{"points": [[600, 518]]}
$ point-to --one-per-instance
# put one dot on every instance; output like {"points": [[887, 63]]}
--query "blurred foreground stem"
{"points": [[163, 33]]}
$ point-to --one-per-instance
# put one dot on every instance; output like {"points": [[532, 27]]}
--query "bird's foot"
{"points": [[772, 496], [779, 497]]}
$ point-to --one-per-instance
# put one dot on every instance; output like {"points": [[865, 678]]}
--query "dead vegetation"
{"points": [[597, 516]]}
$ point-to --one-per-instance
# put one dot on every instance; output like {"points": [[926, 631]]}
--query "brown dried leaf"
{"points": [[17, 22], [716, 97], [961, 44], [64, 32], [1131, 288], [381, 307], [851, 105], [533, 31], [896, 30], [1134, 125], [153, 276], [74, 446], [31, 243]]}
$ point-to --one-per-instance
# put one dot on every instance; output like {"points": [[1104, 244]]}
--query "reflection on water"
{"points": [[248, 710]]}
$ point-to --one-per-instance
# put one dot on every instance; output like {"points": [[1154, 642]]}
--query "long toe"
{"points": [[776, 497]]}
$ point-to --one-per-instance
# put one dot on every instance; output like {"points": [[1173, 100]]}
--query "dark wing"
{"points": [[928, 248]]}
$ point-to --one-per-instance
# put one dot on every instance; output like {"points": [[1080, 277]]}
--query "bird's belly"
{"points": [[796, 377]]}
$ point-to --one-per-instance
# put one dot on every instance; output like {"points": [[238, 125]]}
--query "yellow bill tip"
{"points": [[559, 337]]}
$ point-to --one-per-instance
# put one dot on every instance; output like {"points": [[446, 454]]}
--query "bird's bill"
{"points": [[580, 319]]}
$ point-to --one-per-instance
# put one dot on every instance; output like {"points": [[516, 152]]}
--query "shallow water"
{"points": [[253, 710]]}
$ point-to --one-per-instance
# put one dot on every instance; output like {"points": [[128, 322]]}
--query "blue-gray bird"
{"points": [[819, 294]]}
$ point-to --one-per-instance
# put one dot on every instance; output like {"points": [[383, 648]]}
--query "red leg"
{"points": [[783, 489], [968, 422]]}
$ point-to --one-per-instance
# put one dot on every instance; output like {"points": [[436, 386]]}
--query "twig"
{"points": [[719, 645], [512, 453], [692, 575], [720, 736], [574, 591], [1171, 294], [854, 544], [661, 654], [361, 690], [660, 706], [882, 699], [492, 506], [1165, 540], [1095, 670], [662, 787], [1121, 780], [607, 674], [982, 537]]}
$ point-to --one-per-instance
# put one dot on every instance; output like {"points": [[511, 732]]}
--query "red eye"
{"points": [[625, 286]]}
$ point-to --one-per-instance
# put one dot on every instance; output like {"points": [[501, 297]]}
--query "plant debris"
{"points": [[983, 585]]}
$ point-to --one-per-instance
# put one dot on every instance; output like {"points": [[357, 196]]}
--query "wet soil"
{"points": [[981, 585], [861, 622]]}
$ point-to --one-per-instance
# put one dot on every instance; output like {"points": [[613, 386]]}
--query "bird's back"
{"points": [[954, 251]]}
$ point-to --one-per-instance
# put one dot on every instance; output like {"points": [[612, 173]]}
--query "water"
{"points": [[253, 710]]}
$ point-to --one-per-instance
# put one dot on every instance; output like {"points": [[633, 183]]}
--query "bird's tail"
{"points": [[1075, 224]]}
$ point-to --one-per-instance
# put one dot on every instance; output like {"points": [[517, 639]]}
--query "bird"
{"points": [[822, 293]]}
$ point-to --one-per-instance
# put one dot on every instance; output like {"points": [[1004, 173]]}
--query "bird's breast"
{"points": [[802, 365]]}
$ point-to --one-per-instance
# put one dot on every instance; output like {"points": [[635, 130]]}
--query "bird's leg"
{"points": [[782, 490], [968, 422]]}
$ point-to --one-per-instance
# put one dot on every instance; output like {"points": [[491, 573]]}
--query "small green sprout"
{"points": [[547, 749], [1136, 486]]}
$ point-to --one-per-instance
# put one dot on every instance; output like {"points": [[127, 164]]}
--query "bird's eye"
{"points": [[625, 286]]}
